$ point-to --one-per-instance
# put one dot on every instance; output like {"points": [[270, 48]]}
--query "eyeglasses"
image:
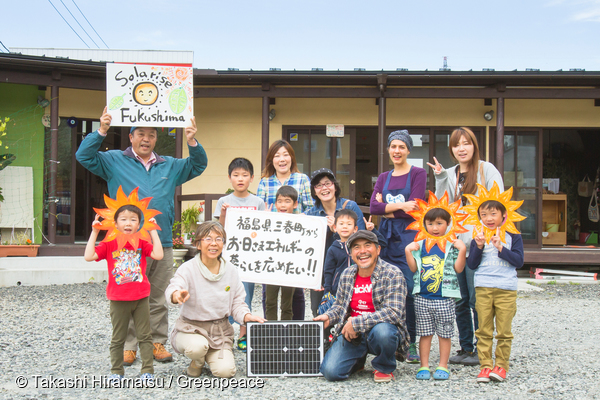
{"points": [[324, 184], [209, 240]]}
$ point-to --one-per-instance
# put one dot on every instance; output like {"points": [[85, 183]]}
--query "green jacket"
{"points": [[121, 168], [450, 286]]}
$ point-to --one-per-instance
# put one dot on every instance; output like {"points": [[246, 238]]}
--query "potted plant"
{"points": [[189, 219], [19, 245], [179, 249]]}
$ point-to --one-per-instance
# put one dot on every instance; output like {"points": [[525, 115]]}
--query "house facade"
{"points": [[532, 125]]}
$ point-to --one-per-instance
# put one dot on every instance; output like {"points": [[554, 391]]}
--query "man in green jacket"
{"points": [[157, 177]]}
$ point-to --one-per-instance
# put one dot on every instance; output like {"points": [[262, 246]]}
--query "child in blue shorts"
{"points": [[435, 288]]}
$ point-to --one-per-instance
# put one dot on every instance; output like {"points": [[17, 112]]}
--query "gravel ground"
{"points": [[64, 332]]}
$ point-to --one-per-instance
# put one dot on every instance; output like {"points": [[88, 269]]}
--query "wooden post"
{"points": [[179, 132], [266, 101], [382, 159], [53, 163], [500, 136]]}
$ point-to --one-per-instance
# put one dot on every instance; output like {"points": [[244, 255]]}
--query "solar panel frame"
{"points": [[284, 348]]}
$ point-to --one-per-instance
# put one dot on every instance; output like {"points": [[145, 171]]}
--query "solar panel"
{"points": [[289, 348]]}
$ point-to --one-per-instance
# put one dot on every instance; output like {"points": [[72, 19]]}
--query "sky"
{"points": [[305, 34]]}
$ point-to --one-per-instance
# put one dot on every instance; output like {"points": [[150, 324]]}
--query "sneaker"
{"points": [[471, 359], [194, 370], [381, 377], [147, 379], [128, 357], [484, 375], [460, 355], [160, 353], [498, 374], [241, 344], [412, 357], [114, 379]]}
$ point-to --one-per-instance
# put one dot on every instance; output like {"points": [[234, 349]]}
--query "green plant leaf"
{"points": [[116, 102], [178, 100]]}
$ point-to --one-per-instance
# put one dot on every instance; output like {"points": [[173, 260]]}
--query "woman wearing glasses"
{"points": [[209, 290], [325, 190], [458, 180], [393, 195]]}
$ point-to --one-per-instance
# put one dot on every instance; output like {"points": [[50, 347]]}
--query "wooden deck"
{"points": [[563, 256]]}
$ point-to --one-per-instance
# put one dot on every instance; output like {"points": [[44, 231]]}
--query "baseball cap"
{"points": [[362, 234]]}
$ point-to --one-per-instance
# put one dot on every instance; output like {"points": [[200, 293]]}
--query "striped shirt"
{"points": [[267, 189]]}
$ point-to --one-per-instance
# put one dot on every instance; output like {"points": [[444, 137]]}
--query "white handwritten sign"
{"points": [[276, 248], [149, 95]]}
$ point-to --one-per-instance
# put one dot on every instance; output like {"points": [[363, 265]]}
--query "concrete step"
{"points": [[41, 271]]}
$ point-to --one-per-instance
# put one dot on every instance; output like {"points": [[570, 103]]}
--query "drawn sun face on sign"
{"points": [[145, 93]]}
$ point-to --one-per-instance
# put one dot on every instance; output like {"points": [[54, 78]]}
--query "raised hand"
{"points": [[105, 121], [330, 222], [459, 245], [437, 167], [96, 223], [479, 238], [370, 226], [190, 132], [496, 241]]}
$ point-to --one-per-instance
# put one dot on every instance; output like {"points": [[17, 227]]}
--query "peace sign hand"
{"points": [[437, 168], [369, 224], [496, 241], [479, 238]]}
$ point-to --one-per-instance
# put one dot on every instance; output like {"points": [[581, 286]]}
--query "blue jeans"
{"points": [[343, 356], [249, 286], [464, 318]]}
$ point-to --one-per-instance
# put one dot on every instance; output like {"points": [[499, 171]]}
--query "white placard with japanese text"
{"points": [[276, 248], [149, 95]]}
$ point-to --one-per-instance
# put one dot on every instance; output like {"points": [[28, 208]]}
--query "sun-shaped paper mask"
{"points": [[108, 223], [419, 224], [512, 215]]}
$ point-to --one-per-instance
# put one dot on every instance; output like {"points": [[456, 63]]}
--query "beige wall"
{"points": [[79, 103], [229, 128]]}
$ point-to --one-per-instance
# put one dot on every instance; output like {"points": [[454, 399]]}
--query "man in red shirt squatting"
{"points": [[370, 314]]}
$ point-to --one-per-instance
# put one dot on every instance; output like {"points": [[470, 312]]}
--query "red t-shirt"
{"points": [[362, 298], [127, 280]]}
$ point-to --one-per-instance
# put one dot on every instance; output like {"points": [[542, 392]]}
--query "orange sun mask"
{"points": [[108, 223], [419, 224], [512, 215]]}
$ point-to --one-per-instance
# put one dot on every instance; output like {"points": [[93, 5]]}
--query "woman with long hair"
{"points": [[281, 169], [209, 290], [458, 180], [394, 194]]}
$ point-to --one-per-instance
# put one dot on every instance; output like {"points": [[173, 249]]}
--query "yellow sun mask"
{"points": [[512, 215], [108, 223], [419, 224]]}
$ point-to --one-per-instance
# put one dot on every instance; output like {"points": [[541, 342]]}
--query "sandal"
{"points": [[241, 343], [441, 374], [423, 374]]}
